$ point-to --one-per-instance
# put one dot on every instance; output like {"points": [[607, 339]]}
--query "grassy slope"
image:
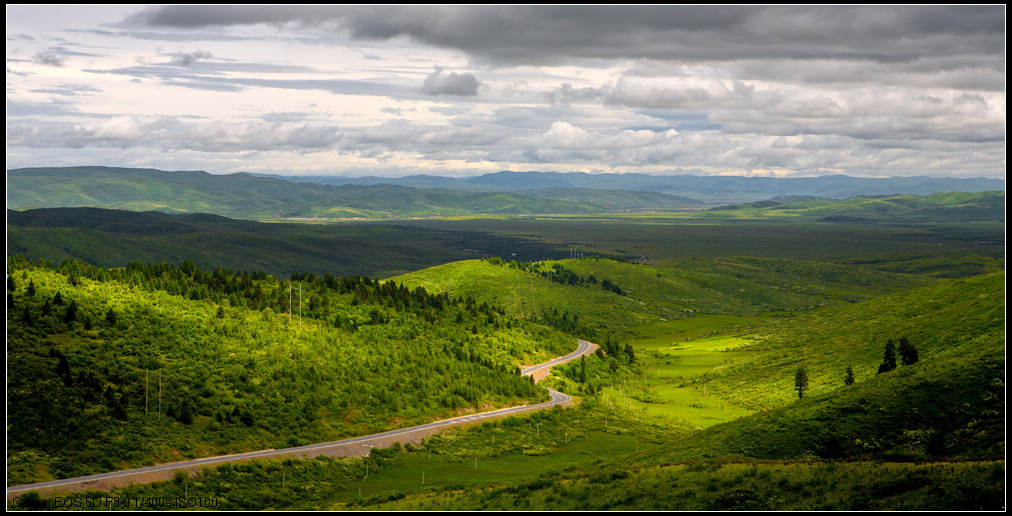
{"points": [[957, 319], [732, 286], [949, 405]]}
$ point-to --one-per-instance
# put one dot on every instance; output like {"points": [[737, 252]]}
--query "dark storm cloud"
{"points": [[550, 34]]}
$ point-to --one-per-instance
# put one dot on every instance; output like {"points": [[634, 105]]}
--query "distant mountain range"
{"points": [[255, 197], [248, 196], [720, 189]]}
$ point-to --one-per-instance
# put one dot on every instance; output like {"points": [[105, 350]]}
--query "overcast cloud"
{"points": [[463, 90]]}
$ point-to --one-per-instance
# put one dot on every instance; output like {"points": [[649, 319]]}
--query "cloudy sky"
{"points": [[466, 90]]}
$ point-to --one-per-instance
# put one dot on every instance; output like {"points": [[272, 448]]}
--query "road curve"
{"points": [[355, 446]]}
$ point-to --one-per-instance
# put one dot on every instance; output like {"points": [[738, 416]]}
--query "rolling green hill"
{"points": [[942, 207], [255, 197], [729, 286]]}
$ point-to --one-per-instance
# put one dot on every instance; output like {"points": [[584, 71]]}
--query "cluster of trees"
{"points": [[908, 355], [613, 348]]}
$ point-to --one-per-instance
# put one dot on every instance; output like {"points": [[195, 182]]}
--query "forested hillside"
{"points": [[117, 368]]}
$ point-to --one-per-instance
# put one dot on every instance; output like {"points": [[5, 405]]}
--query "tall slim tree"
{"points": [[889, 358], [71, 313], [849, 378], [801, 382]]}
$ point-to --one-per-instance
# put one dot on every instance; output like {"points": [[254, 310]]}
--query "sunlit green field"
{"points": [[676, 359]]}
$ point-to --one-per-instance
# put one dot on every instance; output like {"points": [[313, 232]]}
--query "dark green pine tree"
{"points": [[71, 313], [908, 353], [801, 382], [848, 379], [889, 360]]}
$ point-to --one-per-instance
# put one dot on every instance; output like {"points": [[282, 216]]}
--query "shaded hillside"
{"points": [[113, 238]]}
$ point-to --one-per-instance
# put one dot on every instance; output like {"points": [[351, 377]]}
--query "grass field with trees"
{"points": [[792, 355]]}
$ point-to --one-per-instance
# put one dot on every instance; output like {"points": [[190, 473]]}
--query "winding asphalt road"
{"points": [[356, 446]]}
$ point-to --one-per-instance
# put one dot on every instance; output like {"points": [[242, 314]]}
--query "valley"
{"points": [[143, 338]]}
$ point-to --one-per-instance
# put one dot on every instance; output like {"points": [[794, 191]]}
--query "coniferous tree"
{"points": [[908, 354], [849, 378], [889, 360], [71, 313], [801, 382]]}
